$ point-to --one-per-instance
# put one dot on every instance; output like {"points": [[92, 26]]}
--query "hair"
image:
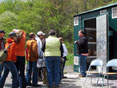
{"points": [[83, 32], [2, 31], [61, 38], [52, 32], [12, 34], [31, 35]]}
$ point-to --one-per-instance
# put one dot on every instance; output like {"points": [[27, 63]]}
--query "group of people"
{"points": [[51, 49]]}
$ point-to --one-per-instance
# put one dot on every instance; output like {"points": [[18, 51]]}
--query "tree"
{"points": [[36, 15], [8, 21]]}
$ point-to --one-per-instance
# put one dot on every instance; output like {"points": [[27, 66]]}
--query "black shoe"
{"points": [[36, 85], [64, 77], [29, 84]]}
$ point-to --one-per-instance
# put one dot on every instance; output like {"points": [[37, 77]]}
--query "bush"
{"points": [[70, 59]]}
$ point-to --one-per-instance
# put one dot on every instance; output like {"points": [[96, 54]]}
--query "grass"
{"points": [[69, 60]]}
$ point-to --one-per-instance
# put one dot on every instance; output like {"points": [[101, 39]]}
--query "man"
{"points": [[20, 54], [52, 51], [32, 71], [2, 46], [82, 46]]}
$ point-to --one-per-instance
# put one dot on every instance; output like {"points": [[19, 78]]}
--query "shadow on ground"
{"points": [[8, 85]]}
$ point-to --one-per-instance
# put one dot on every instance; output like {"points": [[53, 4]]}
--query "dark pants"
{"points": [[9, 66], [64, 61], [1, 68], [32, 70], [20, 64], [40, 73]]}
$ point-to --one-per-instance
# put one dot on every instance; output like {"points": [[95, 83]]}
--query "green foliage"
{"points": [[8, 21], [36, 15], [69, 46], [70, 59]]}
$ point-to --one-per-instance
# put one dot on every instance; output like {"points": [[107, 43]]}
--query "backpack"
{"points": [[3, 54]]}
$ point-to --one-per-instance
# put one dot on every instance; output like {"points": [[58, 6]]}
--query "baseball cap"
{"points": [[12, 34], [2, 31], [40, 33]]}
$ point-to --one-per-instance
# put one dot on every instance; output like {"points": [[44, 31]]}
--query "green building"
{"points": [[100, 26]]}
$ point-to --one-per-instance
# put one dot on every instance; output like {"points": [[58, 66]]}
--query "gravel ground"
{"points": [[73, 81]]}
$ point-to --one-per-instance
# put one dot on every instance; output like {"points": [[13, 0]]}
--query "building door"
{"points": [[101, 37]]}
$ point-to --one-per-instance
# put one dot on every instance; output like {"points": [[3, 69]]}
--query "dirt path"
{"points": [[72, 81]]}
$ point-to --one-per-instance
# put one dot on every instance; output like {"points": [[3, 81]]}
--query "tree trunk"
{"points": [[85, 5]]}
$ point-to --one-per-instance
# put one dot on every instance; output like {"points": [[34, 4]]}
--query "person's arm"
{"points": [[65, 50], [39, 44], [35, 49], [81, 41], [61, 49], [43, 46]]}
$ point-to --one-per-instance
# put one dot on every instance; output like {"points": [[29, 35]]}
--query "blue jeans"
{"points": [[32, 70], [82, 63], [1, 68], [20, 64], [9, 66], [53, 70]]}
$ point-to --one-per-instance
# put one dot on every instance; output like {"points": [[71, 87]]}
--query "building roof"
{"points": [[104, 7]]}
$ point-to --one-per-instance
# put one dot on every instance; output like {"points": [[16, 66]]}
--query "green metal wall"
{"points": [[76, 29]]}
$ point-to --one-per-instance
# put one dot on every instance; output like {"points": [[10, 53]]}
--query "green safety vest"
{"points": [[52, 47]]}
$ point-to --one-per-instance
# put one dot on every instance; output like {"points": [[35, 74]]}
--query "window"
{"points": [[114, 12], [76, 21]]}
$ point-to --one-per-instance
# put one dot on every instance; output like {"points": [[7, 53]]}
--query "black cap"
{"points": [[2, 31], [52, 32], [12, 34]]}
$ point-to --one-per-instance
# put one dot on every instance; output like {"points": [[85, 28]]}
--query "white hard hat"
{"points": [[40, 33]]}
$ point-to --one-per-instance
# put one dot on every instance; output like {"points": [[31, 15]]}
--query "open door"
{"points": [[101, 37]]}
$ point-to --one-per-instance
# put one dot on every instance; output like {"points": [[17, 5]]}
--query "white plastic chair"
{"points": [[98, 63], [110, 63]]}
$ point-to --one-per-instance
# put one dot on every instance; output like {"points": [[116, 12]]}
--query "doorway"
{"points": [[90, 29]]}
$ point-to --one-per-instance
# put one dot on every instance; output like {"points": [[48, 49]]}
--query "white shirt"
{"points": [[39, 44], [65, 50]]}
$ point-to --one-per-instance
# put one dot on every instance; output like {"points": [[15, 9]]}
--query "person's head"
{"points": [[13, 36], [81, 33], [15, 30], [52, 32], [61, 39], [2, 33], [32, 35], [40, 34]]}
